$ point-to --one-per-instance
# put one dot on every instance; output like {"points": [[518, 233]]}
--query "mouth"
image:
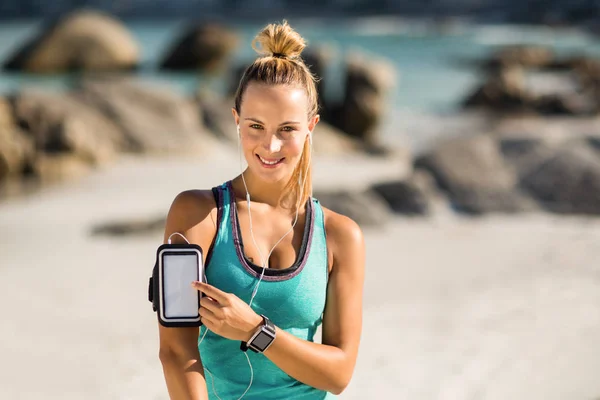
{"points": [[269, 162]]}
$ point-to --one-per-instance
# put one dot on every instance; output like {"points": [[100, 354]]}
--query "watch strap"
{"points": [[268, 324]]}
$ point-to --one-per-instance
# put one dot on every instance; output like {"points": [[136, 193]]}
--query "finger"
{"points": [[210, 325], [211, 291], [209, 304], [207, 315]]}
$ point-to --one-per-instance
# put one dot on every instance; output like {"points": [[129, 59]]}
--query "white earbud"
{"points": [[238, 130]]}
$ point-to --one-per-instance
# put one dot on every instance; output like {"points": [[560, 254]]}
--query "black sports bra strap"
{"points": [[219, 202]]}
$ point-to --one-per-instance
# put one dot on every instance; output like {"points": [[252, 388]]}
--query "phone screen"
{"points": [[180, 298]]}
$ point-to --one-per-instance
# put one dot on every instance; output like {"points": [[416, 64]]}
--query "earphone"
{"points": [[263, 260]]}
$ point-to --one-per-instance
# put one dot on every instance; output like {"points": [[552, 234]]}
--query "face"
{"points": [[274, 126]]}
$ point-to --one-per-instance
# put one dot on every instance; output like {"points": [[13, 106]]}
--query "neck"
{"points": [[271, 193]]}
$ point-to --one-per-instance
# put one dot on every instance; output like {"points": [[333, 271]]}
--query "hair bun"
{"points": [[279, 41]]}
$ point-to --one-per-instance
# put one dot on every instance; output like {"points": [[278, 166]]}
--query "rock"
{"points": [[569, 104], [503, 91], [364, 207], [568, 182], [152, 119], [16, 149], [574, 63], [83, 40], [475, 176], [202, 47], [586, 66], [6, 118], [359, 115], [588, 74], [61, 123], [520, 55], [54, 168], [410, 197], [524, 154], [364, 104]]}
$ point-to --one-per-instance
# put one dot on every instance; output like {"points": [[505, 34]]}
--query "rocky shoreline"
{"points": [[538, 151]]}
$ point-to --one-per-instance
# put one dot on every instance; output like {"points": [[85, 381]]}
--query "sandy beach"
{"points": [[500, 307]]}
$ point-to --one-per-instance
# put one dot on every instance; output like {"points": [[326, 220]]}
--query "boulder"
{"points": [[16, 149], [61, 123], [365, 101], [473, 173], [152, 118], [410, 197], [201, 47], [574, 63], [83, 40], [567, 182], [520, 55], [59, 167], [364, 207], [566, 104], [523, 154], [504, 91]]}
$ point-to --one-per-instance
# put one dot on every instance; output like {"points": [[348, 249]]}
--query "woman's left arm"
{"points": [[328, 366]]}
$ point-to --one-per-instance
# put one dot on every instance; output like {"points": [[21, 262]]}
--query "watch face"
{"points": [[262, 340]]}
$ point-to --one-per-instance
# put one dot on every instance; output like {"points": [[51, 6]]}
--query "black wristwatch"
{"points": [[262, 338]]}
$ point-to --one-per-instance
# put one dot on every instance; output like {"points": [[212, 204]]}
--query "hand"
{"points": [[226, 314]]}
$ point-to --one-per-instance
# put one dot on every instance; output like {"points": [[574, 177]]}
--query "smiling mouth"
{"points": [[270, 163]]}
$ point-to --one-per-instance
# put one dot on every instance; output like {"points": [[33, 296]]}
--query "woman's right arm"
{"points": [[193, 214]]}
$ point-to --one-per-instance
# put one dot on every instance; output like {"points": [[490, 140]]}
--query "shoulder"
{"points": [[195, 200], [342, 229], [191, 209], [344, 236]]}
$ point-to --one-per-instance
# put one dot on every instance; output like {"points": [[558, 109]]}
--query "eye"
{"points": [[288, 129], [256, 126]]}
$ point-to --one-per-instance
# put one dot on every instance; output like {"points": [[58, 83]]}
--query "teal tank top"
{"points": [[293, 298]]}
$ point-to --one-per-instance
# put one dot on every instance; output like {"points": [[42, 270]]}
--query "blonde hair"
{"points": [[279, 63]]}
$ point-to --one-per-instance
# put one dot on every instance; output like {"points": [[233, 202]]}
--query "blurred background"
{"points": [[463, 136]]}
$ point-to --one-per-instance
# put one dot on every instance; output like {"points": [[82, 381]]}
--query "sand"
{"points": [[455, 308]]}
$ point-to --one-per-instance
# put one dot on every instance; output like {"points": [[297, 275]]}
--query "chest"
{"points": [[271, 240], [291, 301]]}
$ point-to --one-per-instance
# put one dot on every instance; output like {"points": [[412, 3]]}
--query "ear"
{"points": [[236, 117], [313, 123]]}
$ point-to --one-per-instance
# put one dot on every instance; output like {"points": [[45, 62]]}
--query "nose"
{"points": [[272, 143]]}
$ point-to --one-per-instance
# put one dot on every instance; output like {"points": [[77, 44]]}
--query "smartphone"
{"points": [[178, 266]]}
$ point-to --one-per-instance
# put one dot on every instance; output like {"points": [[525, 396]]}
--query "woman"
{"points": [[279, 264]]}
